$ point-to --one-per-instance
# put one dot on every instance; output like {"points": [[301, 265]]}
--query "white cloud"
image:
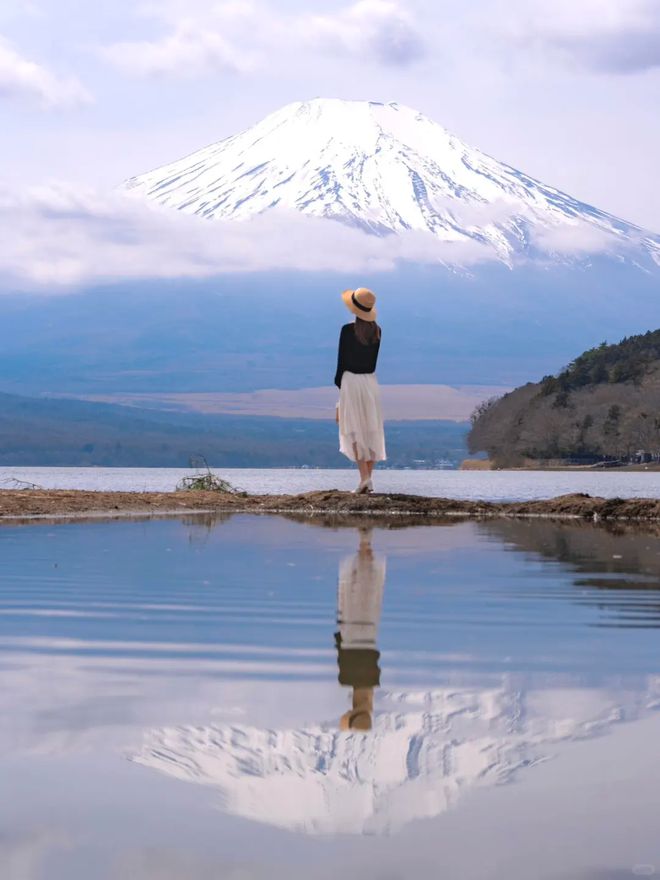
{"points": [[20, 77], [58, 237], [240, 36], [575, 240], [379, 29], [613, 36], [195, 45], [481, 214]]}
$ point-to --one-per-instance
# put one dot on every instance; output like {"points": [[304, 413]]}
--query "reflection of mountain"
{"points": [[423, 754]]}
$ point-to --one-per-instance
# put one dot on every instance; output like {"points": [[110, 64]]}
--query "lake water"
{"points": [[248, 698], [474, 485]]}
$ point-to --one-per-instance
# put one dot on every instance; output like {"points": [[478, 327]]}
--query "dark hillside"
{"points": [[604, 406]]}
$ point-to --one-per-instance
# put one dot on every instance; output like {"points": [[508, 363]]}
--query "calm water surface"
{"points": [[255, 697], [474, 485]]}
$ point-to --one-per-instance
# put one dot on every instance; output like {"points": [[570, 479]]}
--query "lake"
{"points": [[466, 485], [251, 697]]}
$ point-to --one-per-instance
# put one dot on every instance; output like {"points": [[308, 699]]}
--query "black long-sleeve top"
{"points": [[354, 357]]}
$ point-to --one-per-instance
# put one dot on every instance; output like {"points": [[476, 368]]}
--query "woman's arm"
{"points": [[340, 357]]}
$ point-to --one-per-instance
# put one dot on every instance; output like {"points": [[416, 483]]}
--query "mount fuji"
{"points": [[484, 275], [388, 169]]}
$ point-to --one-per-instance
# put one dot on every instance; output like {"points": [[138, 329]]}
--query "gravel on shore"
{"points": [[19, 503]]}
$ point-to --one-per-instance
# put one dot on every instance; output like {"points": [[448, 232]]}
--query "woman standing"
{"points": [[361, 436]]}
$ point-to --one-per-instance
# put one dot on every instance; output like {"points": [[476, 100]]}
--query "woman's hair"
{"points": [[366, 332]]}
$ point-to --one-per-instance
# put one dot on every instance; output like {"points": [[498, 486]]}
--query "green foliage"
{"points": [[603, 406], [627, 361]]}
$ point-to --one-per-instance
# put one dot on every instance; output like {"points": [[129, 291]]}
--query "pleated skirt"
{"points": [[361, 434]]}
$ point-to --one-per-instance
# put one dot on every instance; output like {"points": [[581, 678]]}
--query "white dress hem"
{"points": [[361, 432]]}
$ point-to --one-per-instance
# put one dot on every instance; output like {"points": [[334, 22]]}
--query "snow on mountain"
{"points": [[386, 168], [421, 756]]}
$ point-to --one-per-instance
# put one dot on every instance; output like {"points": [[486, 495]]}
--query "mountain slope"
{"points": [[385, 169], [604, 405]]}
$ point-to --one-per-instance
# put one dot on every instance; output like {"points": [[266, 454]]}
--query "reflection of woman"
{"points": [[359, 601]]}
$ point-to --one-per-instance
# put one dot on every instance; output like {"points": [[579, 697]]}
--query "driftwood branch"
{"points": [[14, 483], [204, 480]]}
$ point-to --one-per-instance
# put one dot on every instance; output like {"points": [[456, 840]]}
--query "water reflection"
{"points": [[618, 566], [465, 657], [24, 856], [423, 748], [359, 603]]}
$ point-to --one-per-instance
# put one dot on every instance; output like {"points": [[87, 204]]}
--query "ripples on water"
{"points": [[254, 697], [467, 485]]}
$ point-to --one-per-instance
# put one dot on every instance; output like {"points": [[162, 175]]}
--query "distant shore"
{"points": [[40, 503], [483, 464]]}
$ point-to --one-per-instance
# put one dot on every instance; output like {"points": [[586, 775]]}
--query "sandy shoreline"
{"points": [[60, 503]]}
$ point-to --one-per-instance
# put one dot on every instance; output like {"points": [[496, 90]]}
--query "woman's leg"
{"points": [[371, 465], [363, 466]]}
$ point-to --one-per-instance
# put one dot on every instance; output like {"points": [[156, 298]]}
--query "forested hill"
{"points": [[604, 405]]}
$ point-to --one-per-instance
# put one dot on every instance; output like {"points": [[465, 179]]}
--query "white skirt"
{"points": [[361, 435], [360, 599]]}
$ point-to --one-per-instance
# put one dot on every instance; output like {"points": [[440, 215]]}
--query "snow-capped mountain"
{"points": [[422, 756], [385, 168]]}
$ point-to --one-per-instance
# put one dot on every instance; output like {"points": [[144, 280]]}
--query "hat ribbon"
{"points": [[359, 305]]}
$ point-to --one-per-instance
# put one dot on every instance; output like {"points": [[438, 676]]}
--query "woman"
{"points": [[361, 436]]}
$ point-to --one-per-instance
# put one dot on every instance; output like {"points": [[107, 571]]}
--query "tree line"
{"points": [[605, 405]]}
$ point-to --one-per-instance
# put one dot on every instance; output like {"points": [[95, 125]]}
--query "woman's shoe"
{"points": [[364, 488]]}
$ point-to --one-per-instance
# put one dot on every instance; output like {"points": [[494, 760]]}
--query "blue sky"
{"points": [[92, 93]]}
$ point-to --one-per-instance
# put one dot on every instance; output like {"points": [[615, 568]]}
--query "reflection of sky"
{"points": [[161, 588], [111, 634], [425, 752]]}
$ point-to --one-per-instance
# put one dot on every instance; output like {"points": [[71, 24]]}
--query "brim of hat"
{"points": [[348, 302]]}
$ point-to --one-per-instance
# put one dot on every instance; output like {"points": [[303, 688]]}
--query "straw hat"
{"points": [[362, 302]]}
